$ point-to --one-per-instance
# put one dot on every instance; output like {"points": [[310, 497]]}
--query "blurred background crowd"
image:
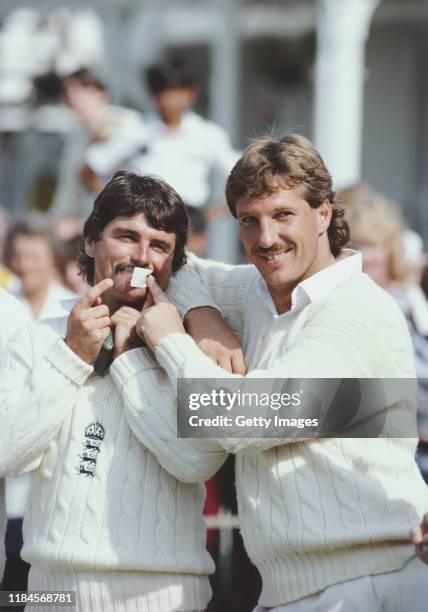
{"points": [[177, 88]]}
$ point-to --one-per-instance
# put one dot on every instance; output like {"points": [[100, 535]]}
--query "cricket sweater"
{"points": [[100, 500], [316, 512]]}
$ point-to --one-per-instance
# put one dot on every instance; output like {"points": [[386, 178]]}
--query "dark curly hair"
{"points": [[289, 162], [126, 195]]}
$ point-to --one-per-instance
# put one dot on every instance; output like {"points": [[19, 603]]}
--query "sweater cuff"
{"points": [[174, 350], [186, 290], [129, 364], [63, 359]]}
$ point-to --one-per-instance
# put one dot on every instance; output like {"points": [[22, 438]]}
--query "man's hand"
{"points": [[215, 339], [89, 323], [125, 335], [419, 537], [159, 317]]}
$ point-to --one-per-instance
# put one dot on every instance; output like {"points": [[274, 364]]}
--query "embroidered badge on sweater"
{"points": [[94, 435]]}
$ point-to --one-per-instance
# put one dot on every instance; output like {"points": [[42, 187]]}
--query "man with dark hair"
{"points": [[106, 519], [325, 520], [129, 194]]}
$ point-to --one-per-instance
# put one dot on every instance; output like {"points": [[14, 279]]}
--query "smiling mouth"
{"points": [[275, 256]]}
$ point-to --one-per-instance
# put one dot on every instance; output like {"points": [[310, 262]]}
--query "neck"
{"points": [[282, 298], [36, 300], [114, 305], [173, 125], [282, 302]]}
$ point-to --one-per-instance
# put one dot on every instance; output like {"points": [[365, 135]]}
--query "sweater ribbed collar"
{"points": [[319, 285]]}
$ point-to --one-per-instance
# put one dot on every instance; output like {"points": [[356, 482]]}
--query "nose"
{"points": [[267, 233], [140, 254]]}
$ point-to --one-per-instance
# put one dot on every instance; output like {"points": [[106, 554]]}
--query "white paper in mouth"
{"points": [[139, 276]]}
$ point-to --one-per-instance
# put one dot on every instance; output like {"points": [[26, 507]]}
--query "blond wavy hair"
{"points": [[374, 217]]}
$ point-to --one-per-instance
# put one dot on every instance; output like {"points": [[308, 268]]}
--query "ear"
{"points": [[89, 247], [324, 214]]}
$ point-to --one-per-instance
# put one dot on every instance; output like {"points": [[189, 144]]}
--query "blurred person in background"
{"points": [[198, 241], [99, 126], [66, 227], [67, 234], [178, 145], [7, 279], [66, 254], [376, 231], [4, 272], [29, 254], [393, 257], [424, 280], [411, 296], [12, 317]]}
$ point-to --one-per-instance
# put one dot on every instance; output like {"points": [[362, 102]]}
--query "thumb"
{"points": [[148, 302], [158, 295]]}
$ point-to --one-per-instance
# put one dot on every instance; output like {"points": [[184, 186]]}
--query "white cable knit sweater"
{"points": [[100, 501], [12, 318], [323, 511]]}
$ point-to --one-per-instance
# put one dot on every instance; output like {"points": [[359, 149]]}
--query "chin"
{"points": [[133, 294], [282, 281], [136, 295]]}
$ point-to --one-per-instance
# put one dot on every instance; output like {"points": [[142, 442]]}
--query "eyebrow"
{"points": [[163, 242], [277, 209], [121, 229]]}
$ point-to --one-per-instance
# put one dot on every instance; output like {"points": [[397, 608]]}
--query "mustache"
{"points": [[275, 249], [127, 267], [122, 267]]}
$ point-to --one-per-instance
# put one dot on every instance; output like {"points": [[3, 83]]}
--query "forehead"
{"points": [[292, 199], [176, 89], [139, 224], [32, 241]]}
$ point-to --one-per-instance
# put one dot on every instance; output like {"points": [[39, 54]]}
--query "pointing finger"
{"points": [[148, 302], [94, 293], [159, 296]]}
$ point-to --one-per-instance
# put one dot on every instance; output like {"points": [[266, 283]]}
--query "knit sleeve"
{"points": [[149, 404], [329, 346], [39, 382], [203, 282]]}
